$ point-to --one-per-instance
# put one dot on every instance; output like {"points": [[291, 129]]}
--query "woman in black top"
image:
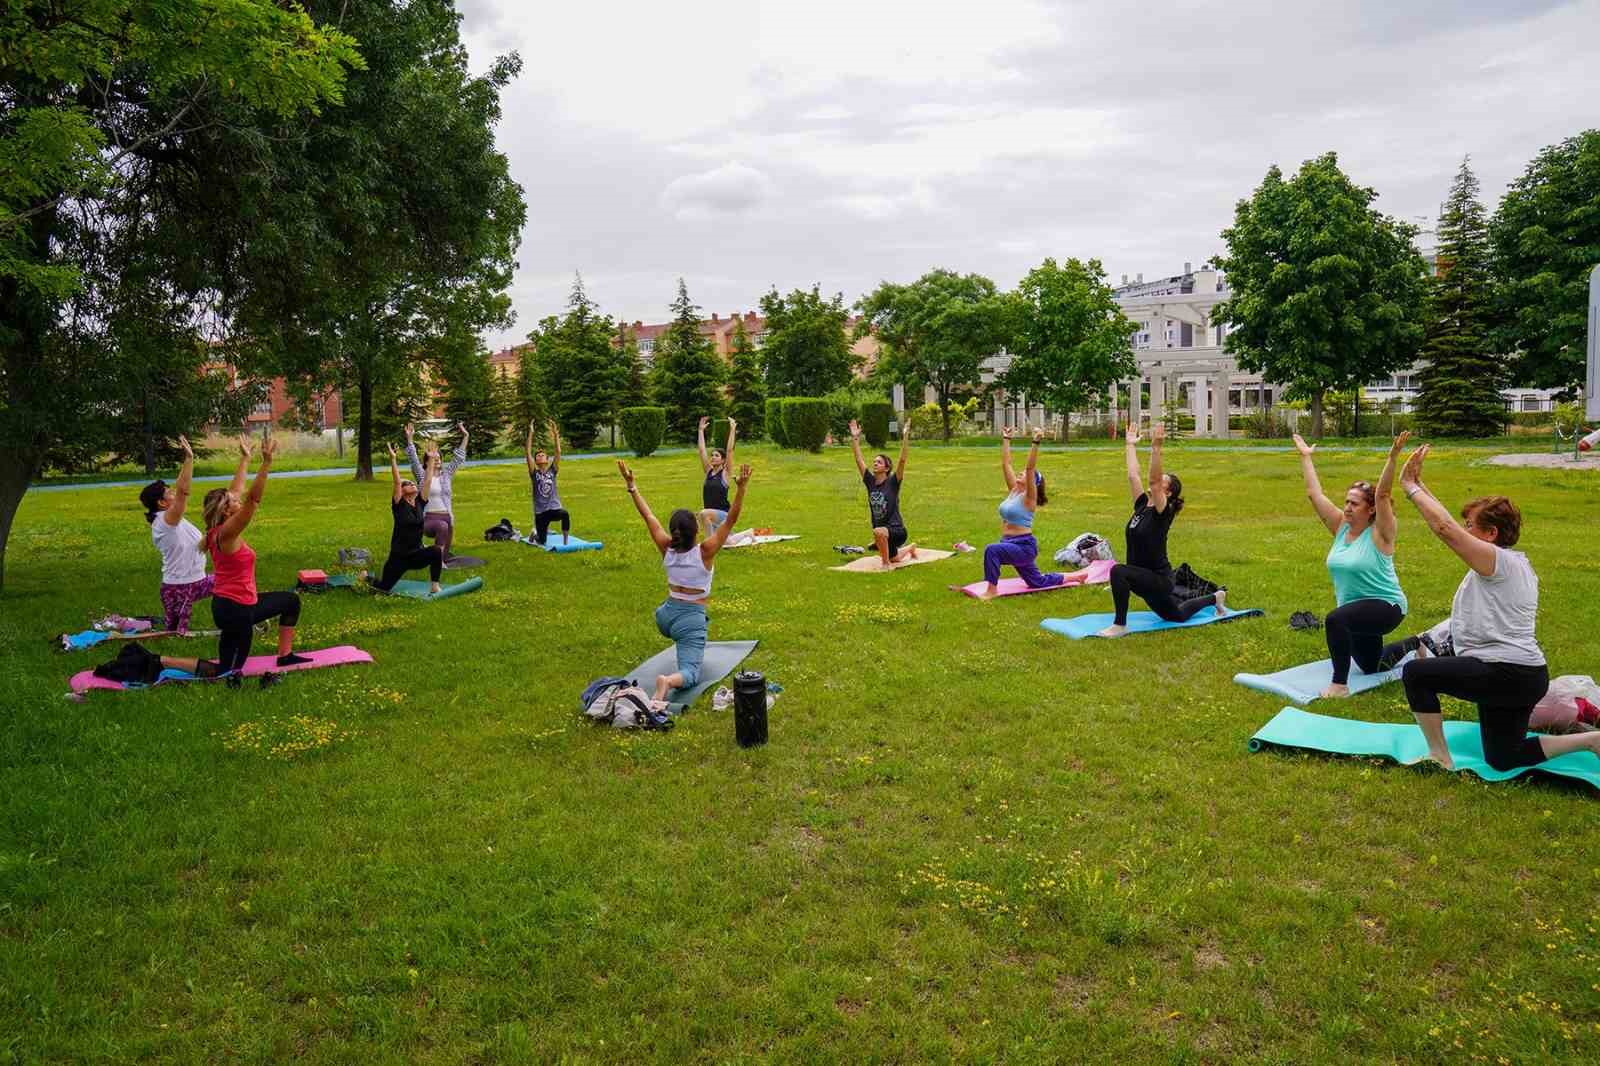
{"points": [[405, 544], [1147, 571], [714, 494], [883, 498]]}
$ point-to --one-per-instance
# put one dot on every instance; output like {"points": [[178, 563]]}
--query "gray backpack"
{"points": [[623, 705]]}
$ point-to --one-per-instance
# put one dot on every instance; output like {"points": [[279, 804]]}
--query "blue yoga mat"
{"points": [[418, 590], [1088, 625], [1304, 683], [553, 543], [1294, 728]]}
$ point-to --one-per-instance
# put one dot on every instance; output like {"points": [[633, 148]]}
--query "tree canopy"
{"points": [[688, 373], [805, 345]]}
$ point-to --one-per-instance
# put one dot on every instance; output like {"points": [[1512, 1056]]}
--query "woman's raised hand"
{"points": [[1005, 432], [410, 429], [1158, 433], [1399, 442], [244, 446], [183, 442], [744, 475], [1411, 474], [1132, 435], [855, 430], [705, 420], [1038, 434], [391, 453], [1302, 446], [627, 475], [269, 447]]}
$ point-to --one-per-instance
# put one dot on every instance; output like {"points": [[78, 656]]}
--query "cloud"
{"points": [[730, 189]]}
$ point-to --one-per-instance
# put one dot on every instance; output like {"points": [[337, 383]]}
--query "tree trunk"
{"points": [[16, 471], [1316, 414], [364, 429]]}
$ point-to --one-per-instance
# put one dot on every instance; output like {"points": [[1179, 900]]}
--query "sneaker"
{"points": [[963, 546], [270, 678], [849, 549], [722, 699]]}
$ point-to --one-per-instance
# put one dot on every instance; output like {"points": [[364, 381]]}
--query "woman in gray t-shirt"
{"points": [[1497, 663], [542, 471]]}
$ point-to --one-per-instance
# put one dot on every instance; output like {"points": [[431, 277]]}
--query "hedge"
{"points": [[805, 422], [774, 421], [643, 428], [875, 418]]}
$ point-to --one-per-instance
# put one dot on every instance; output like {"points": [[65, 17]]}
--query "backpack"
{"points": [[1084, 549], [503, 530], [134, 665], [621, 704]]}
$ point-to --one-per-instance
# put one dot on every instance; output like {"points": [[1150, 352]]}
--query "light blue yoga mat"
{"points": [[418, 590], [1089, 625], [1304, 683], [553, 543], [1294, 728]]}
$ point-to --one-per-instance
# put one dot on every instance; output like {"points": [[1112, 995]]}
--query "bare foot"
{"points": [[1442, 758], [433, 586], [1422, 651], [1222, 606], [1112, 631], [989, 592], [1335, 692]]}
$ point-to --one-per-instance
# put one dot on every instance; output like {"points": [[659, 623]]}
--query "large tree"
{"points": [[1326, 292], [747, 395], [1070, 342], [103, 103], [688, 373], [385, 231], [471, 395], [580, 370], [1546, 239], [805, 344], [937, 331], [1460, 392]]}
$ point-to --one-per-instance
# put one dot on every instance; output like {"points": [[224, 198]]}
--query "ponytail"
{"points": [[215, 502]]}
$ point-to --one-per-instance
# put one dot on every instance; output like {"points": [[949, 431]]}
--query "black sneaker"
{"points": [[1304, 620], [269, 679], [234, 680]]}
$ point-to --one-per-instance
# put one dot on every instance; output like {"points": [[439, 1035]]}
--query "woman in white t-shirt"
{"points": [[1497, 663], [184, 580]]}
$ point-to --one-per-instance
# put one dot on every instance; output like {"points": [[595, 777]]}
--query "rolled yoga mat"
{"points": [[1294, 728], [343, 655], [418, 590], [553, 542], [722, 658], [1096, 573], [871, 564], [752, 540], [1304, 683], [1090, 625]]}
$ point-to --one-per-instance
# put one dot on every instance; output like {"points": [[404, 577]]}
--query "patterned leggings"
{"points": [[178, 601]]}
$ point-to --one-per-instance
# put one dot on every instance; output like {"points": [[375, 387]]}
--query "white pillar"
{"points": [[1197, 405], [1219, 405], [1135, 387]]}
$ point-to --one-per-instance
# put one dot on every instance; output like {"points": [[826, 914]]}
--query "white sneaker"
{"points": [[722, 699]]}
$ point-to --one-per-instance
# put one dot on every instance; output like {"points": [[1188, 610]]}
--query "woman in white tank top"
{"points": [[689, 567]]}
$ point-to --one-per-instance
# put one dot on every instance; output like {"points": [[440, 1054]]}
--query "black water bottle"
{"points": [[749, 708]]}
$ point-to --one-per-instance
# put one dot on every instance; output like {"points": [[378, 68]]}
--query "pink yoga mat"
{"points": [[343, 655], [1096, 573]]}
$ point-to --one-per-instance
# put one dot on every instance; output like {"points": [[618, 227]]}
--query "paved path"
{"points": [[1548, 460]]}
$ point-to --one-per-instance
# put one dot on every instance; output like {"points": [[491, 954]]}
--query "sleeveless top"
{"points": [[715, 493], [233, 576], [687, 570], [1015, 511], [1361, 572]]}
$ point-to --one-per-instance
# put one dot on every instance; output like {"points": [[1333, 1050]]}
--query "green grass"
{"points": [[967, 840]]}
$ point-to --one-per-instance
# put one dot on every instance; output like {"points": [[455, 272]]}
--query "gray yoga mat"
{"points": [[722, 658]]}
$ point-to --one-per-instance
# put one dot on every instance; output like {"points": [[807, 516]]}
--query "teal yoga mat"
{"points": [[1294, 728], [555, 543], [1089, 625], [418, 590], [1304, 683], [722, 658]]}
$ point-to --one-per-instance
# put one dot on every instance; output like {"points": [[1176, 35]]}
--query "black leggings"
{"points": [[542, 520], [1504, 692], [237, 621], [395, 567], [1155, 588], [1356, 631]]}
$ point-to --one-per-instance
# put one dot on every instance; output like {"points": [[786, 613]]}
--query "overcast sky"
{"points": [[746, 144]]}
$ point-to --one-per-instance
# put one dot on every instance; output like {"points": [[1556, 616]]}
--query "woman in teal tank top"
{"points": [[1361, 563]]}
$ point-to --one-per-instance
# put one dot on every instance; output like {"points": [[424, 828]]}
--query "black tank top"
{"points": [[715, 493]]}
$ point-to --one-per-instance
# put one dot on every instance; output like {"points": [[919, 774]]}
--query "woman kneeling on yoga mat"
{"points": [[889, 534], [1147, 571], [714, 493], [406, 551], [682, 616], [542, 471], [1497, 663], [235, 606], [1361, 563], [183, 572], [439, 522], [1017, 547]]}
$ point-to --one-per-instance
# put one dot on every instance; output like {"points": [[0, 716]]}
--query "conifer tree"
{"points": [[688, 373], [747, 392]]}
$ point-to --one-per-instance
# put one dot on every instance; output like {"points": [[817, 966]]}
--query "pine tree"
{"points": [[579, 372], [747, 391], [471, 396], [505, 391], [529, 407], [1460, 390], [688, 374]]}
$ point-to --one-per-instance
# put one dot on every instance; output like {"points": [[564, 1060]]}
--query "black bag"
{"points": [[503, 530], [1188, 585], [134, 665]]}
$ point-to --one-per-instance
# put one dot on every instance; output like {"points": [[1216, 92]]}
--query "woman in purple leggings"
{"points": [[1016, 546]]}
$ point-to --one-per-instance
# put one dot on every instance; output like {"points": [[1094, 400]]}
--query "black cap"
{"points": [[151, 494]]}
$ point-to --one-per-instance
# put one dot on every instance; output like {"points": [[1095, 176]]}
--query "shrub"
{"points": [[1266, 424], [805, 422], [875, 418], [643, 428], [774, 422], [847, 403]]}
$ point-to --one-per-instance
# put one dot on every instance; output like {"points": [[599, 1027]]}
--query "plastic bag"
{"points": [[1562, 710]]}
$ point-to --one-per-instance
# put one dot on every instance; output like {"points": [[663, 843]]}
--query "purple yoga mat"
{"points": [[343, 655], [1096, 573]]}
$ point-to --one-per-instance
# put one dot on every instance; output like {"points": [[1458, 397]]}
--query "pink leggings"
{"points": [[442, 528]]}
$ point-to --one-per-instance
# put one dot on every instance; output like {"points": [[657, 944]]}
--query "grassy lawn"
{"points": [[968, 839]]}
